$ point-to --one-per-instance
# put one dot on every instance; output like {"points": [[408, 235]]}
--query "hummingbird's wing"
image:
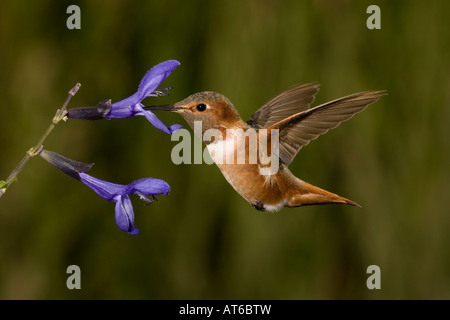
{"points": [[289, 102], [299, 129]]}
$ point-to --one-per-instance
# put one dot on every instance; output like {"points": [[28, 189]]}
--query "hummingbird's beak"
{"points": [[164, 107]]}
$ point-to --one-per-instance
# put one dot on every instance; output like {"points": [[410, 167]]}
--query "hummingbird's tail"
{"points": [[307, 194]]}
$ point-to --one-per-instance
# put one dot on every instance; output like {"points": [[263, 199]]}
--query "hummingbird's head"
{"points": [[213, 109]]}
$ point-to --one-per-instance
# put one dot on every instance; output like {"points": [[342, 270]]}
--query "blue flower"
{"points": [[132, 105], [120, 195], [110, 191]]}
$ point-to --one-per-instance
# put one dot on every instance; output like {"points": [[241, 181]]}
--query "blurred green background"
{"points": [[203, 241]]}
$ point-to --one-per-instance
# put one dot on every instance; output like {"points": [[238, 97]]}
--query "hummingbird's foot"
{"points": [[259, 206]]}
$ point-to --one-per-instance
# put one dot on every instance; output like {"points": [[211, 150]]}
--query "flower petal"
{"points": [[152, 118], [175, 127], [125, 214], [104, 189], [121, 112], [127, 102], [149, 83], [153, 78], [148, 187]]}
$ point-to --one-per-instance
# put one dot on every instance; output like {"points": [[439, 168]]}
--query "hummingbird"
{"points": [[296, 123]]}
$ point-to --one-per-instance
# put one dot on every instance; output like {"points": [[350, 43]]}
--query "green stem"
{"points": [[60, 115]]}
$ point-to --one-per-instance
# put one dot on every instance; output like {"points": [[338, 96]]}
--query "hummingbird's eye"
{"points": [[201, 107]]}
